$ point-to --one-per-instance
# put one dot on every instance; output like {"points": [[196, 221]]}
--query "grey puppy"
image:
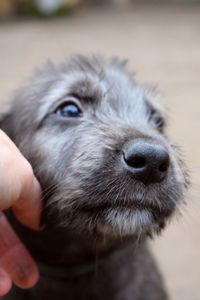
{"points": [[110, 179]]}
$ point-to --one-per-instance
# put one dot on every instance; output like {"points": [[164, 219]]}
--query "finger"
{"points": [[14, 258], [28, 207], [5, 283], [19, 187]]}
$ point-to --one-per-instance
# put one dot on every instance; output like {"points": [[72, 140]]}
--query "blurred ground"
{"points": [[163, 45]]}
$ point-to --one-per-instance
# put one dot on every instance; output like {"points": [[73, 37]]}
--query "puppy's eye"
{"points": [[69, 109], [157, 120]]}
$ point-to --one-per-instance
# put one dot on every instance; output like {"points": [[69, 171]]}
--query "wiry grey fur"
{"points": [[94, 211]]}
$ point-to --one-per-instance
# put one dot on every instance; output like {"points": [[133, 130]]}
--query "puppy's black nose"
{"points": [[147, 162]]}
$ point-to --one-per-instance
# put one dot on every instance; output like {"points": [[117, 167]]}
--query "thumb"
{"points": [[28, 207]]}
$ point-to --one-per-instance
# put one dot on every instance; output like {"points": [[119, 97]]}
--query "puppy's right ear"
{"points": [[6, 121]]}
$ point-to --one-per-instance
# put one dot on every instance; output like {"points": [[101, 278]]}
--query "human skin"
{"points": [[19, 191]]}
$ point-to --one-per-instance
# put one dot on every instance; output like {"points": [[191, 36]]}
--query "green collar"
{"points": [[61, 272]]}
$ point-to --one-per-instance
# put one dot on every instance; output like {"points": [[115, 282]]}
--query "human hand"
{"points": [[20, 191]]}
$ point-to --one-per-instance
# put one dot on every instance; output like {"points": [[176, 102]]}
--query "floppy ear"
{"points": [[6, 121]]}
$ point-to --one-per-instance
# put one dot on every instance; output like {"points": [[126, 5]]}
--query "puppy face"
{"points": [[96, 142]]}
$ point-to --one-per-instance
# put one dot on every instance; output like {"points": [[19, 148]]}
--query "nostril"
{"points": [[163, 167], [136, 162]]}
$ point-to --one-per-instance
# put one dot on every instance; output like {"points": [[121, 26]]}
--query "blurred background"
{"points": [[161, 39]]}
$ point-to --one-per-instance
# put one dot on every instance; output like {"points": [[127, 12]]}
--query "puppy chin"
{"points": [[128, 222]]}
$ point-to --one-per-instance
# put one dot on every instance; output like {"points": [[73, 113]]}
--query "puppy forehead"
{"points": [[109, 84]]}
